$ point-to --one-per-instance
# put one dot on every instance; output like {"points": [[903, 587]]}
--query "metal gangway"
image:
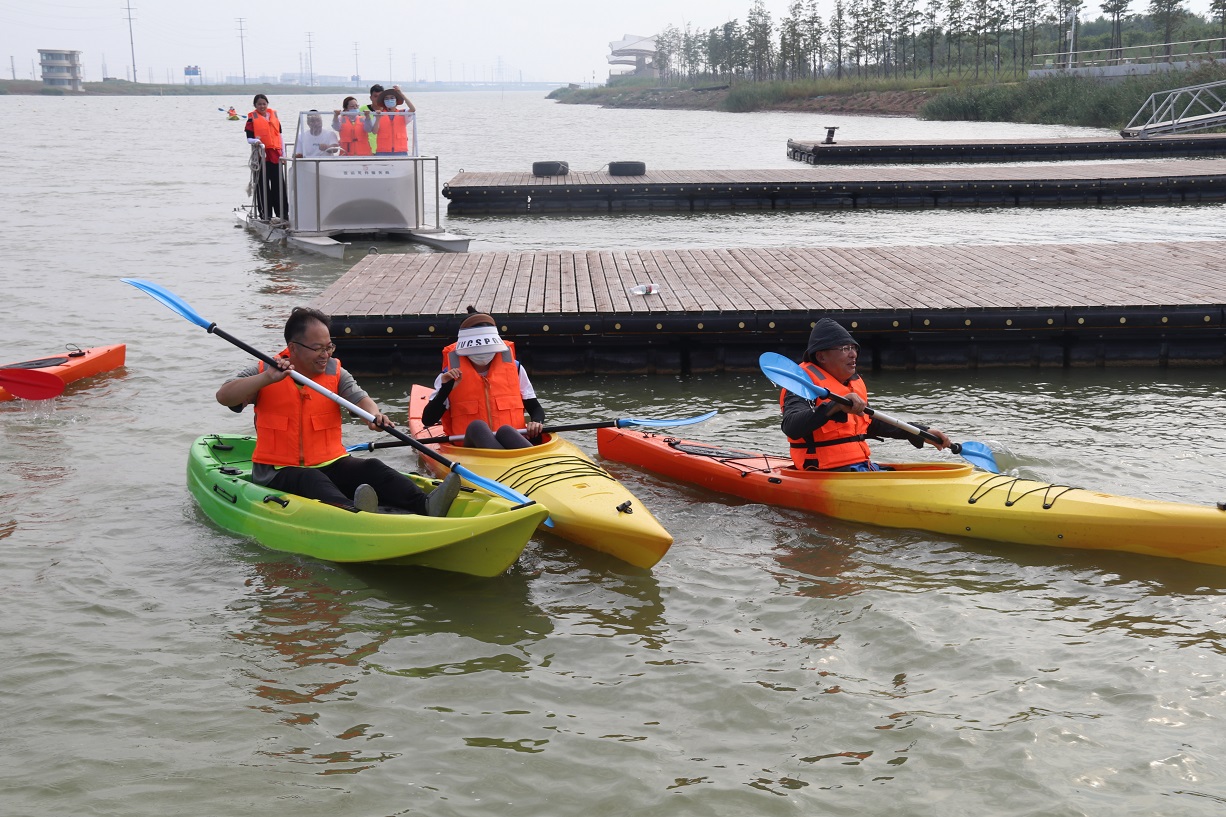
{"points": [[1196, 107]]}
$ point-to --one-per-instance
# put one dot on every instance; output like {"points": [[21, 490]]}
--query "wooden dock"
{"points": [[1032, 305], [1174, 181], [846, 152]]}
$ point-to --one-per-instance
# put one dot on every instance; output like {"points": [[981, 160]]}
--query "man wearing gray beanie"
{"points": [[826, 435]]}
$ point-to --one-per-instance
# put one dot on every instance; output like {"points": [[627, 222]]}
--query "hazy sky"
{"points": [[536, 40]]}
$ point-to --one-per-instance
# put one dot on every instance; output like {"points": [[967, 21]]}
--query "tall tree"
{"points": [[692, 46], [1067, 12], [815, 37], [903, 16], [793, 61], [859, 40], [955, 27], [838, 36], [758, 38], [932, 18], [1116, 9], [668, 51], [1166, 14], [1031, 12], [1218, 9]]}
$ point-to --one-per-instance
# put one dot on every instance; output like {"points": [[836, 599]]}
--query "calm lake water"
{"points": [[774, 663]]}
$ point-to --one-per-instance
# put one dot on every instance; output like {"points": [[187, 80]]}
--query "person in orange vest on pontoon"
{"points": [[391, 124], [354, 128], [483, 387], [263, 130]]}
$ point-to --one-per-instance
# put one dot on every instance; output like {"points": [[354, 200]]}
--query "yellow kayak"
{"points": [[944, 498], [587, 505]]}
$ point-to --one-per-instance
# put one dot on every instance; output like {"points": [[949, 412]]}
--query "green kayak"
{"points": [[481, 535]]}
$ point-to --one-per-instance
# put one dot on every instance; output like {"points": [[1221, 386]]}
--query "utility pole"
{"points": [[390, 81], [357, 75], [413, 77], [311, 59], [242, 47], [13, 66], [131, 41]]}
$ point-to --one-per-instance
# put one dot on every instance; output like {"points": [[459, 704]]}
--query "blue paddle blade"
{"points": [[785, 374], [169, 299], [977, 453], [496, 488], [677, 421], [356, 447]]}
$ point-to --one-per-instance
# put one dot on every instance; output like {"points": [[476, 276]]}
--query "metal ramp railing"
{"points": [[1196, 107]]}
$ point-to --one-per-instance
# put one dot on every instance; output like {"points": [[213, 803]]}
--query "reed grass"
{"points": [[1061, 100], [756, 96]]}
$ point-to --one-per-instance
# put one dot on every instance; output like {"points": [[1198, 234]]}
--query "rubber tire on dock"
{"points": [[627, 168], [550, 168]]}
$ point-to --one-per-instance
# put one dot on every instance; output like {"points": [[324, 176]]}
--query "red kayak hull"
{"points": [[74, 365]]}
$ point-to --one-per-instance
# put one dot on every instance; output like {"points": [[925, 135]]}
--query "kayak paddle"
{"points": [[177, 304], [31, 384], [625, 422], [786, 374]]}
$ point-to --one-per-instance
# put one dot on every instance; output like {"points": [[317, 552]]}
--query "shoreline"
{"points": [[869, 103]]}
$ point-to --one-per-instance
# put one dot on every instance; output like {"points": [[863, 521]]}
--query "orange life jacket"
{"points": [[355, 141], [392, 136], [267, 130], [284, 411], [835, 444], [494, 397]]}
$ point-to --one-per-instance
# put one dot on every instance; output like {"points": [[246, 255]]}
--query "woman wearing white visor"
{"points": [[483, 388]]}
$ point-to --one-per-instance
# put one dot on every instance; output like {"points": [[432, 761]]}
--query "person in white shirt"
{"points": [[315, 141]]}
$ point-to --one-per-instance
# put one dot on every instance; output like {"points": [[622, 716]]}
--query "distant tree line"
{"points": [[901, 38]]}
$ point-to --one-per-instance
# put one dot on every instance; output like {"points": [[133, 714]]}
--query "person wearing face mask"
{"points": [[826, 435], [353, 127], [482, 388], [263, 130], [391, 124]]}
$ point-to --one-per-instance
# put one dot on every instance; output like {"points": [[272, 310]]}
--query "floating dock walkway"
{"points": [[1175, 181], [847, 152], [911, 307]]}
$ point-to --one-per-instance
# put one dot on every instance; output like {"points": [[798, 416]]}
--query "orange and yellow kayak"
{"points": [[587, 505], [946, 498], [73, 365]]}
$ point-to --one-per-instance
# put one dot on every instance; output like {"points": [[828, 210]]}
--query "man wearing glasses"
{"points": [[298, 446], [827, 436]]}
